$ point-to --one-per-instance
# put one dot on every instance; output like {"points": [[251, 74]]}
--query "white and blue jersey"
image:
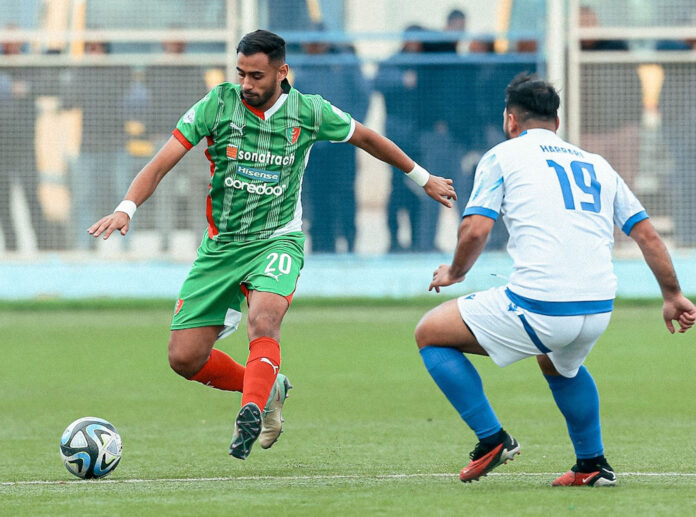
{"points": [[559, 204]]}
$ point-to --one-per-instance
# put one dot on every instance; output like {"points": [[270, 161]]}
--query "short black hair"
{"points": [[263, 41], [532, 97]]}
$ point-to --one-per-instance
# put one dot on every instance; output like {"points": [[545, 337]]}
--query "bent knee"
{"points": [[185, 362], [423, 334]]}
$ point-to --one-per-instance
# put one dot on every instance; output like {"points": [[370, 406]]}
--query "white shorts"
{"points": [[508, 332]]}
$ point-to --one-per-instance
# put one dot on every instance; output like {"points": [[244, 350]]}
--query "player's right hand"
{"points": [[108, 224], [680, 309], [443, 277], [441, 190]]}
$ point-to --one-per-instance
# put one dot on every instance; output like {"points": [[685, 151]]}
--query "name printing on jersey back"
{"points": [[560, 149]]}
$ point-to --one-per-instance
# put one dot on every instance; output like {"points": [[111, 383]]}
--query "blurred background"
{"points": [[90, 89]]}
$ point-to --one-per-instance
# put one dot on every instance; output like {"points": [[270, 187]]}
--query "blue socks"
{"points": [[461, 384], [578, 400]]}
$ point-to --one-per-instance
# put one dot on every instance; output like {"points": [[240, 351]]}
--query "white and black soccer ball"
{"points": [[90, 448]]}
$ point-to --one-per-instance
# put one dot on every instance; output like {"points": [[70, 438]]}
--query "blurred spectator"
{"points": [[400, 81], [489, 74], [172, 89], [678, 108], [99, 174], [611, 105], [589, 18], [18, 161], [446, 121], [527, 46], [456, 22], [329, 189]]}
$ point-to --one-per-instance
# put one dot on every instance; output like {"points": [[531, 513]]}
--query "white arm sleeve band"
{"points": [[419, 175], [128, 207]]}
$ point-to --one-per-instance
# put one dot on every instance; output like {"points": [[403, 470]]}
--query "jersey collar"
{"points": [[265, 115], [535, 130]]}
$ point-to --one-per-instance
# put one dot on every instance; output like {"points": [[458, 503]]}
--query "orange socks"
{"points": [[255, 381], [261, 371], [221, 372]]}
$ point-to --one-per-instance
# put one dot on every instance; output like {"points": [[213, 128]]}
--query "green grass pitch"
{"points": [[367, 431]]}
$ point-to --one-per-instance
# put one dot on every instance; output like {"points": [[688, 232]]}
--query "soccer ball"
{"points": [[90, 448]]}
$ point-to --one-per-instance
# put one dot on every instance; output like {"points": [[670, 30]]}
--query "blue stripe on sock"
{"points": [[578, 400], [461, 384]]}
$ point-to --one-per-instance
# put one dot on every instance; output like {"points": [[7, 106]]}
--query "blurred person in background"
{"points": [[400, 80], [171, 87], [456, 22], [447, 118], [18, 91], [100, 171], [611, 104], [481, 130], [678, 109], [589, 18], [329, 187], [489, 74]]}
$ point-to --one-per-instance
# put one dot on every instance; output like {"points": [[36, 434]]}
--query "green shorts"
{"points": [[224, 272]]}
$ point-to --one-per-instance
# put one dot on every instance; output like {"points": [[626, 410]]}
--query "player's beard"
{"points": [[258, 100]]}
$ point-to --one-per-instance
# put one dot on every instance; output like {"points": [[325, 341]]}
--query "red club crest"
{"points": [[292, 134]]}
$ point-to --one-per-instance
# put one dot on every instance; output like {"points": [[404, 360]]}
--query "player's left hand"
{"points": [[441, 190], [443, 277], [680, 309]]}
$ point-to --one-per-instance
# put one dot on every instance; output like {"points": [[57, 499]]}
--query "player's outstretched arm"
{"points": [[473, 234], [676, 306], [140, 190], [438, 188]]}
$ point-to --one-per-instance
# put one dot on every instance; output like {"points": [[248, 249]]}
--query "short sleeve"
{"points": [[336, 125], [487, 194], [198, 121], [627, 209]]}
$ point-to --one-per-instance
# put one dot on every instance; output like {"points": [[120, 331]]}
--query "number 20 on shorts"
{"points": [[278, 264]]}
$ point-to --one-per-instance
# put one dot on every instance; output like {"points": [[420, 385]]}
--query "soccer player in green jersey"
{"points": [[259, 134]]}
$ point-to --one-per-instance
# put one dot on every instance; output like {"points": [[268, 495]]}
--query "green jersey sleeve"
{"points": [[336, 125], [200, 120]]}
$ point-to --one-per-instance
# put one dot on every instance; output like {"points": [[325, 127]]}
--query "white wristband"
{"points": [[419, 175], [127, 207]]}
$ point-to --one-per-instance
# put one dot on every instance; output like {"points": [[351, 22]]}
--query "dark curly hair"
{"points": [[532, 98]]}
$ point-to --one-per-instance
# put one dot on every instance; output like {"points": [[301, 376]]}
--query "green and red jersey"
{"points": [[257, 159]]}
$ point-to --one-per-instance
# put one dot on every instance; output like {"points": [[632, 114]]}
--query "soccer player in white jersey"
{"points": [[259, 134], [559, 203]]}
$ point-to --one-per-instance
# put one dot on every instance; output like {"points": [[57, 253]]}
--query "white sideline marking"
{"points": [[326, 477]]}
